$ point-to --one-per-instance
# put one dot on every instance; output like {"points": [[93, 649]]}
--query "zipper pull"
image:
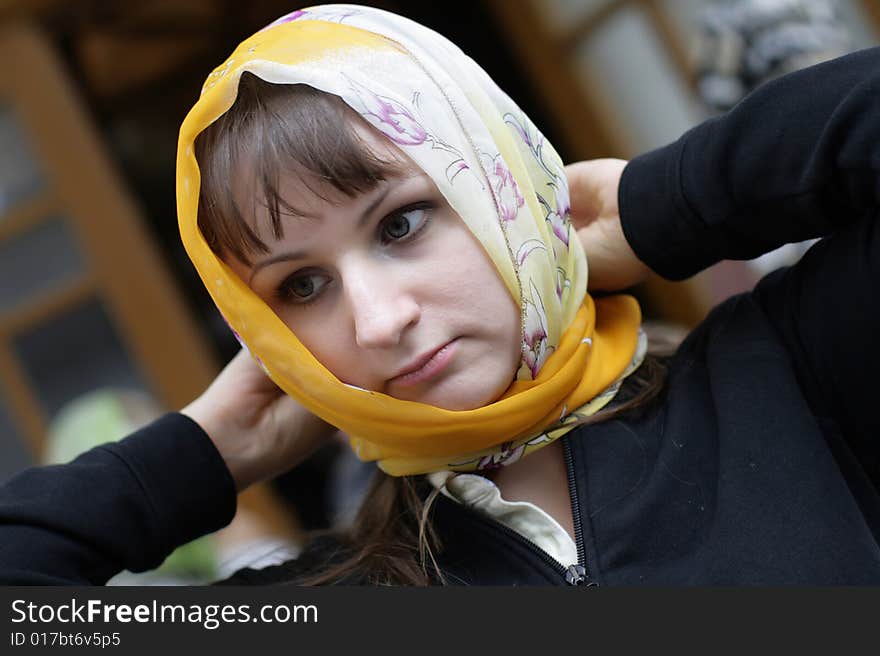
{"points": [[577, 575]]}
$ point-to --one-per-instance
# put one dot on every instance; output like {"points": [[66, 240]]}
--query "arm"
{"points": [[118, 506], [799, 158], [128, 505]]}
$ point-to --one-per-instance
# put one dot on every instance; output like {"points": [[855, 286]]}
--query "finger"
{"points": [[593, 189], [582, 189]]}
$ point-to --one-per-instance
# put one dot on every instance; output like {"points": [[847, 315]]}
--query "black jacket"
{"points": [[759, 465]]}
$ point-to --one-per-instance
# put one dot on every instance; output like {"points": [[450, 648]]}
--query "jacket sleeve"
{"points": [[124, 505], [797, 159]]}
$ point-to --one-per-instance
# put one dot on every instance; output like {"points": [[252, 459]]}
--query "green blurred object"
{"points": [[108, 415]]}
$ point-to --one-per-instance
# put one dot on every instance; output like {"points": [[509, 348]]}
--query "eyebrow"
{"points": [[299, 255]]}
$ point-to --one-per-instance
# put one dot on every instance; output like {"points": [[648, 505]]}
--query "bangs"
{"points": [[271, 132]]}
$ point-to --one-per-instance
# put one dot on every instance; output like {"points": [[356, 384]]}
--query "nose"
{"points": [[382, 304]]}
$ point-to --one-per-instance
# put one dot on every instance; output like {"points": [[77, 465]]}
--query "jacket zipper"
{"points": [[576, 574]]}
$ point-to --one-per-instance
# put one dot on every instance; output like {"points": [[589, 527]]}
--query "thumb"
{"points": [[583, 192]]}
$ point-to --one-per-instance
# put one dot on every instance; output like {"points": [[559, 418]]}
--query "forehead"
{"points": [[267, 189], [303, 194]]}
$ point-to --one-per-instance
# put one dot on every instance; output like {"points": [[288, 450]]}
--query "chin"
{"points": [[458, 397]]}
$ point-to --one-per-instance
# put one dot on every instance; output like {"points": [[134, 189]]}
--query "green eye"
{"points": [[397, 227], [303, 286], [405, 223]]}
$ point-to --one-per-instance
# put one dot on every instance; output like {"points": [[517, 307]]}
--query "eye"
{"points": [[405, 223], [301, 288]]}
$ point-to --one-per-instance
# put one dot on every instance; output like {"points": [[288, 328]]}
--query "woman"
{"points": [[408, 226], [754, 466]]}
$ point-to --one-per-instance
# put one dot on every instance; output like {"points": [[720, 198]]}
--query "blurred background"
{"points": [[103, 323]]}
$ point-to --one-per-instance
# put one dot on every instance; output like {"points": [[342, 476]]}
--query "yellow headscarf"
{"points": [[505, 181]]}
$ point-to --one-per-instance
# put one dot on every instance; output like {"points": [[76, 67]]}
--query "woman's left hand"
{"points": [[593, 186]]}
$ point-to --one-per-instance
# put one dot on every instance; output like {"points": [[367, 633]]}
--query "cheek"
{"points": [[326, 340], [479, 292], [507, 318]]}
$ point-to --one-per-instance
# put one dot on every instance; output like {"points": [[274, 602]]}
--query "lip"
{"points": [[426, 366]]}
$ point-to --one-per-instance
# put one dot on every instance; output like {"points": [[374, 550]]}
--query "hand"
{"points": [[594, 213], [260, 431]]}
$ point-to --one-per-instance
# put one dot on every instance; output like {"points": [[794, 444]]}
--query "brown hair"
{"points": [[283, 129]]}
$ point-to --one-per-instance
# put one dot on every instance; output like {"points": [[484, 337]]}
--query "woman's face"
{"points": [[389, 290]]}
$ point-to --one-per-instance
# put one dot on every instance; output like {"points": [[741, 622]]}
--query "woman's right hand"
{"points": [[593, 186], [259, 431]]}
